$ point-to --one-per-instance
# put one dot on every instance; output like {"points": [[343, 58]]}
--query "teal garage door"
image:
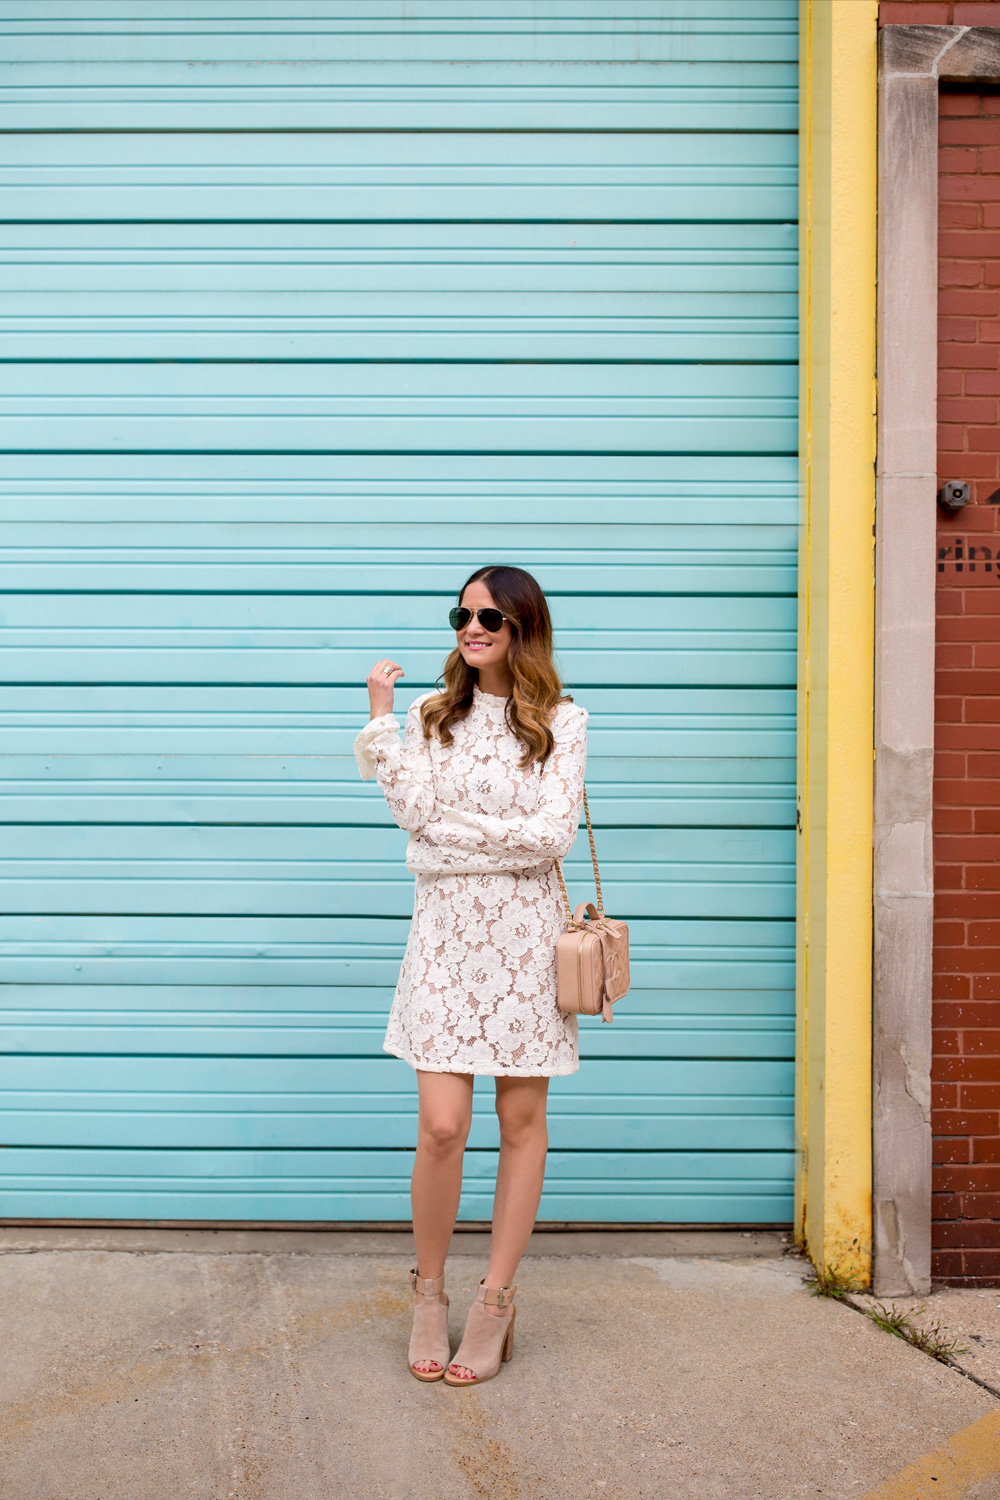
{"points": [[309, 309]]}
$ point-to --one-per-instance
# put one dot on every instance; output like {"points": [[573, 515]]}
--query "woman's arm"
{"points": [[520, 842], [404, 769]]}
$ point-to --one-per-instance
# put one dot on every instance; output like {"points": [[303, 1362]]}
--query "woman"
{"points": [[488, 779]]}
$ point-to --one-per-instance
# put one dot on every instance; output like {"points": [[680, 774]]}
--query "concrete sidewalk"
{"points": [[154, 1365]]}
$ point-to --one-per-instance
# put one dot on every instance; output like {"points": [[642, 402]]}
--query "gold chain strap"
{"points": [[565, 893], [597, 873]]}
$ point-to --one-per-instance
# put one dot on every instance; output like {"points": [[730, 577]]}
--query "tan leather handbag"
{"points": [[592, 954]]}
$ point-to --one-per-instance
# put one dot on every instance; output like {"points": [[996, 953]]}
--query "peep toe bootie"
{"points": [[488, 1340], [429, 1339]]}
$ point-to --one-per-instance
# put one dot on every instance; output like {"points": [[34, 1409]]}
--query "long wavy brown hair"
{"points": [[537, 689]]}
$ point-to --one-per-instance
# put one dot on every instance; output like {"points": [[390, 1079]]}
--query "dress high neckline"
{"points": [[491, 701]]}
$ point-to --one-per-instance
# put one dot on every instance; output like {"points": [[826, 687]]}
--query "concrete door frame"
{"points": [[913, 62]]}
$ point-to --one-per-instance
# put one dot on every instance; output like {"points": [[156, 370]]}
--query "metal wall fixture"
{"points": [[954, 494]]}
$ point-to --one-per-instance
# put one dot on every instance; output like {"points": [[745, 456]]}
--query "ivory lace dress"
{"points": [[477, 988]]}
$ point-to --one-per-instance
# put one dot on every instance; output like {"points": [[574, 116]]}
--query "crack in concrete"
{"points": [[857, 1307]]}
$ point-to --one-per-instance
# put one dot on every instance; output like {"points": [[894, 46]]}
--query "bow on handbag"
{"points": [[592, 969]]}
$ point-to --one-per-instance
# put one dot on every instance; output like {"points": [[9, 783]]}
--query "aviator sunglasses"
{"points": [[489, 619]]}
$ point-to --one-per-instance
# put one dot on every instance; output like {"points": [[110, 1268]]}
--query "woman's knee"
{"points": [[443, 1132], [445, 1111], [521, 1120]]}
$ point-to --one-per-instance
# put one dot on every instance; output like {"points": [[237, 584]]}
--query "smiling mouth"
{"points": [[477, 645]]}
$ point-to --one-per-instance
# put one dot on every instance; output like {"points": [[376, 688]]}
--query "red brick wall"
{"points": [[966, 1071]]}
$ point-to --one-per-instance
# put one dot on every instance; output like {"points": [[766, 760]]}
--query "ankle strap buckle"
{"points": [[499, 1296], [428, 1286]]}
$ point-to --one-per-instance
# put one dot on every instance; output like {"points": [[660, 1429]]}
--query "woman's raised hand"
{"points": [[382, 680]]}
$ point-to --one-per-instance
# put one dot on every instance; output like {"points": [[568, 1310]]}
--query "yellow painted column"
{"points": [[838, 77]]}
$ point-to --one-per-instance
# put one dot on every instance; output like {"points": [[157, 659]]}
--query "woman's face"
{"points": [[479, 647]]}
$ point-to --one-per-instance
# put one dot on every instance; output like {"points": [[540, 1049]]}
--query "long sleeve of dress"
{"points": [[456, 838], [403, 768]]}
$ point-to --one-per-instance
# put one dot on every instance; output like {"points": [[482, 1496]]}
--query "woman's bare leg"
{"points": [[436, 1184], [524, 1141]]}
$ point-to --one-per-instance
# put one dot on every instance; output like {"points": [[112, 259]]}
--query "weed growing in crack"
{"points": [[830, 1282], [930, 1340], [845, 1286]]}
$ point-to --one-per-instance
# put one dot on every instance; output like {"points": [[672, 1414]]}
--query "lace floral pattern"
{"points": [[477, 988]]}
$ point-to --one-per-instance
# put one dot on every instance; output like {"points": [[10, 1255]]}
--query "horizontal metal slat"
{"points": [[417, 620], [344, 1035], [321, 1083], [729, 665], [432, 155], [345, 937], [328, 407], [188, 16], [171, 964], [288, 804], [374, 852], [705, 1186], [304, 778], [291, 896], [610, 707], [125, 1004], [161, 571], [64, 199], [76, 564], [170, 736], [317, 339], [667, 953], [705, 252], [386, 479], [228, 1037], [383, 176], [738, 97], [774, 47], [361, 1202], [717, 1124], [374, 294], [283, 1102], [248, 629], [551, 389], [756, 341], [56, 956], [419, 14], [218, 291], [709, 954]]}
